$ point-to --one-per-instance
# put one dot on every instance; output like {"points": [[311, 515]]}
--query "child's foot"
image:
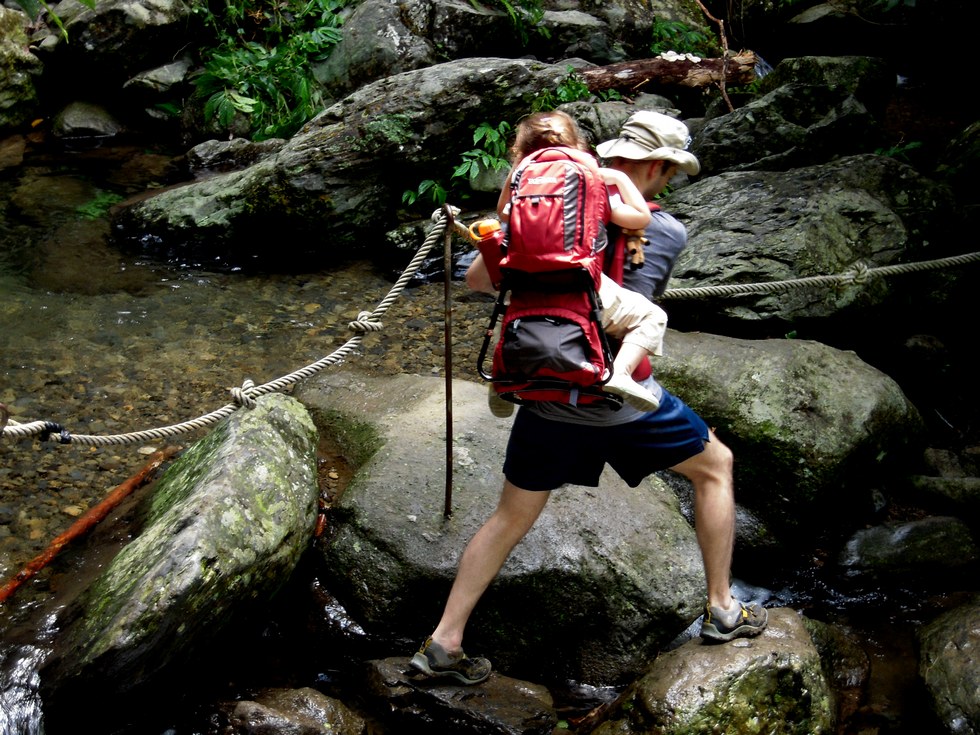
{"points": [[632, 392], [498, 406]]}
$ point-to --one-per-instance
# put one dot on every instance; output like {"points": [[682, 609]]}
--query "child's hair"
{"points": [[544, 130]]}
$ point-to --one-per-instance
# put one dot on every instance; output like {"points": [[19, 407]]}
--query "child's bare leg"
{"points": [[621, 382], [628, 358], [642, 325]]}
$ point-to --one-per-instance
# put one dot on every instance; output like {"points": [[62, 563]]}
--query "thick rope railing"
{"points": [[860, 274], [367, 321]]}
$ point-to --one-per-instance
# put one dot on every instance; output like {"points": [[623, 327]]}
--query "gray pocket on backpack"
{"points": [[545, 345]]}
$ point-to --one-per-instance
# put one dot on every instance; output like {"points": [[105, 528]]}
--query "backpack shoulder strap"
{"points": [[615, 255]]}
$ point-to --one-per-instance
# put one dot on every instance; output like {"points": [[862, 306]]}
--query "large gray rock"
{"points": [[808, 423], [948, 664], [115, 39], [383, 38], [759, 227], [500, 705], [869, 80], [927, 552], [606, 577], [337, 184], [794, 125], [19, 71], [773, 683], [295, 712], [225, 526]]}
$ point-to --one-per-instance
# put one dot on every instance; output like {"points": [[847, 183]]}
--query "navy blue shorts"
{"points": [[544, 454]]}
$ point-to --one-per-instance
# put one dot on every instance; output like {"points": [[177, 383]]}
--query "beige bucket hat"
{"points": [[651, 136]]}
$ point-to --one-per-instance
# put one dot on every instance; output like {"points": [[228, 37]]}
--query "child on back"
{"points": [[626, 314]]}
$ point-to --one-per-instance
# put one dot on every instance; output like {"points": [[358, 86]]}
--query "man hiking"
{"points": [[651, 148]]}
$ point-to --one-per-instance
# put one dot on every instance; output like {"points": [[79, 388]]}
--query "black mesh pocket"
{"points": [[536, 346]]}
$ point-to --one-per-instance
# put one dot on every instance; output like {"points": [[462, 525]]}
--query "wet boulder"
{"points": [[810, 425], [302, 711], [948, 666], [224, 527], [116, 39], [336, 186], [499, 705], [929, 551], [755, 236], [19, 71], [771, 683], [606, 577]]}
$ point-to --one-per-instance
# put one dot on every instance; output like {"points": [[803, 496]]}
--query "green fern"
{"points": [[672, 35], [262, 67], [524, 16]]}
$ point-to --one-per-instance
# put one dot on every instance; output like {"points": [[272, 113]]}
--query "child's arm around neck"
{"points": [[632, 213]]}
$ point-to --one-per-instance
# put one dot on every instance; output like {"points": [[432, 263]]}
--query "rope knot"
{"points": [[49, 428], [860, 273], [363, 323], [243, 395], [447, 210]]}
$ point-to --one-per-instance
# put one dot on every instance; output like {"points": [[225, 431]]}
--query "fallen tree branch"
{"points": [[671, 70], [87, 521]]}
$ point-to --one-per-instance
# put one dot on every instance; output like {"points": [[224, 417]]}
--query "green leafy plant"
{"points": [[491, 155], [34, 8], [672, 35], [571, 88], [751, 89], [900, 150], [262, 66], [170, 109], [428, 190], [97, 207], [523, 15]]}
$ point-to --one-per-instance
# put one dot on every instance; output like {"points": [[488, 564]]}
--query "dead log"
{"points": [[87, 521], [670, 70]]}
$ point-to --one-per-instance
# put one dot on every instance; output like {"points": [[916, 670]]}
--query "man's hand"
{"points": [[478, 277]]}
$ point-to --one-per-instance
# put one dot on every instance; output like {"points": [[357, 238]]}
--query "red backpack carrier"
{"points": [[552, 346]]}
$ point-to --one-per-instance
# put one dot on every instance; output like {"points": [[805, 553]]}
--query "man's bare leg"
{"points": [[714, 515], [710, 472], [483, 557]]}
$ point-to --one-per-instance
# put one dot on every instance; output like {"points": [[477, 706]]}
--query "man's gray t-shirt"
{"points": [[667, 238]]}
